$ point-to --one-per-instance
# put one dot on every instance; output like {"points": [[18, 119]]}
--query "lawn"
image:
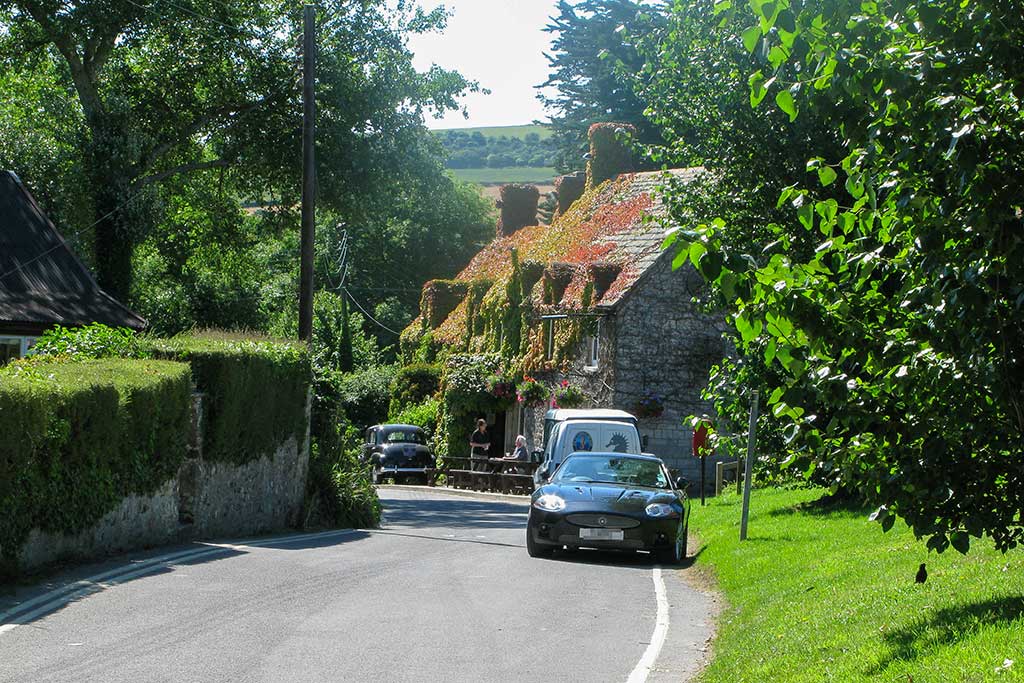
{"points": [[515, 174], [819, 594]]}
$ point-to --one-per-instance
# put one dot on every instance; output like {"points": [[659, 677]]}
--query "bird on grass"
{"points": [[922, 574]]}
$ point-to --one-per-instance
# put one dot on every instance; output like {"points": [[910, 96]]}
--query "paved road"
{"points": [[443, 592]]}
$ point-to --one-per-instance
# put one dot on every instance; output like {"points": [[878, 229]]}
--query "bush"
{"points": [[92, 341], [255, 391], [339, 492], [80, 436], [364, 396], [412, 385], [423, 415]]}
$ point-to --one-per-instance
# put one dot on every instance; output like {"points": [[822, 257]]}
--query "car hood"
{"points": [[608, 496]]}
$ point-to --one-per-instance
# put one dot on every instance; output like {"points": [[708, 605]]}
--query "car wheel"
{"points": [[676, 553], [375, 475], [535, 549]]}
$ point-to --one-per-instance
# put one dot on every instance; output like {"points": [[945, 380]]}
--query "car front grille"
{"points": [[594, 520]]}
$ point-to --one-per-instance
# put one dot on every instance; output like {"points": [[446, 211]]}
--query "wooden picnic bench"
{"points": [[490, 474]]}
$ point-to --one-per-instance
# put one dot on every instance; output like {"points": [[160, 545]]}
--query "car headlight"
{"points": [[549, 502], [661, 510]]}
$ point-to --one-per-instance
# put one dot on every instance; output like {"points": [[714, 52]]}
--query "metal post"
{"points": [[747, 475], [702, 466], [308, 173]]}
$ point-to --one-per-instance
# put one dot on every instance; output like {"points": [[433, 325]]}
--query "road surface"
{"points": [[444, 591]]}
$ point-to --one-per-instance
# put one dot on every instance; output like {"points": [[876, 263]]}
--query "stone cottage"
{"points": [[588, 303]]}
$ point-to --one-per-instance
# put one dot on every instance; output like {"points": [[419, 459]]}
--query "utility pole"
{"points": [[308, 173]]}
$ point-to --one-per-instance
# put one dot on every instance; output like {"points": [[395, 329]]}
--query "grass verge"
{"points": [[818, 594]]}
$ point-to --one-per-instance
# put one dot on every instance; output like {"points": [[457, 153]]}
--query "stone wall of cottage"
{"points": [[665, 344]]}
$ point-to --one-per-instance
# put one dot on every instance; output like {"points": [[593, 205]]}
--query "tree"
{"points": [[898, 340], [166, 90], [592, 60]]}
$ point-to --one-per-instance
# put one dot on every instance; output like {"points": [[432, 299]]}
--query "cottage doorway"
{"points": [[496, 428], [513, 426]]}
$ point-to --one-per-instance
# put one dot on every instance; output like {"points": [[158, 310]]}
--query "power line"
{"points": [[371, 318]]}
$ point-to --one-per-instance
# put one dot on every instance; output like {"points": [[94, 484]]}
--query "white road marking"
{"points": [[646, 663], [52, 600]]}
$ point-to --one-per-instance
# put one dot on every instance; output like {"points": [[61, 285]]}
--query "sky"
{"points": [[501, 44]]}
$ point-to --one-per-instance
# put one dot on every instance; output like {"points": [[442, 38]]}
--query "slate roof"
{"points": [[42, 282], [606, 225]]}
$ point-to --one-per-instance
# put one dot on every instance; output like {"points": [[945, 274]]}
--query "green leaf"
{"points": [[696, 251], [711, 265], [671, 236], [680, 258], [806, 215], [827, 176], [750, 37], [960, 541], [758, 90], [786, 103]]}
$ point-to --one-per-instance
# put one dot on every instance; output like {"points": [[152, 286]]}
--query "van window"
{"points": [[596, 436]]}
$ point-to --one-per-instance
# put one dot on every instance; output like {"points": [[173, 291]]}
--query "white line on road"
{"points": [[646, 663], [58, 597]]}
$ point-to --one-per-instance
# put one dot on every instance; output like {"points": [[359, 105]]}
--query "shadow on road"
{"points": [[39, 603]]}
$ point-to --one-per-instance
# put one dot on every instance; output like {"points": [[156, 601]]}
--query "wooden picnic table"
{"points": [[491, 474]]}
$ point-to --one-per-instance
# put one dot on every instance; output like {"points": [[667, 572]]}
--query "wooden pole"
{"points": [[751, 438], [308, 173]]}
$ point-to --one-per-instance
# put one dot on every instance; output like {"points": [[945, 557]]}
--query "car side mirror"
{"points": [[682, 483], [543, 474]]}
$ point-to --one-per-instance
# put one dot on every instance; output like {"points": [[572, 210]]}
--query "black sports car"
{"points": [[610, 500], [399, 452]]}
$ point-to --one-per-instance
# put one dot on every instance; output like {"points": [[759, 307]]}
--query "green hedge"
{"points": [[412, 385], [255, 391], [80, 436]]}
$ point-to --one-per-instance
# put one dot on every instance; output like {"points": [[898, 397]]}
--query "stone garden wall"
{"points": [[206, 499]]}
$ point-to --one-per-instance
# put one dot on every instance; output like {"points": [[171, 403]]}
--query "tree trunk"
{"points": [[109, 162]]}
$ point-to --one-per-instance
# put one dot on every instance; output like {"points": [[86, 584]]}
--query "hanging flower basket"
{"points": [[531, 391], [568, 396], [652, 404], [501, 388]]}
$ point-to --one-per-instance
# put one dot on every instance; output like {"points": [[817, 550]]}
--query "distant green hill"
{"points": [[507, 131], [496, 147]]}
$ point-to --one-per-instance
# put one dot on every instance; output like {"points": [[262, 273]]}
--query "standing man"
{"points": [[480, 442]]}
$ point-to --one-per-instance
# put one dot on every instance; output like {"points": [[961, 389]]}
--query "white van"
{"points": [[576, 435]]}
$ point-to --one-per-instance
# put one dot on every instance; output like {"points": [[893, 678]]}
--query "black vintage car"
{"points": [[399, 452], [610, 500]]}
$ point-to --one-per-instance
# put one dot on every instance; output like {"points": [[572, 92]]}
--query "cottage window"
{"points": [[594, 346], [10, 348], [549, 339]]}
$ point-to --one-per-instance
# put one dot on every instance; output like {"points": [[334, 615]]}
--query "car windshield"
{"points": [[405, 436], [611, 469]]}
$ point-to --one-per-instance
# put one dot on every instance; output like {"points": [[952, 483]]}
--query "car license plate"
{"points": [[601, 534]]}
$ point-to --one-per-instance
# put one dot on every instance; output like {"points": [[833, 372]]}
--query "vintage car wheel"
{"points": [[535, 549], [375, 475]]}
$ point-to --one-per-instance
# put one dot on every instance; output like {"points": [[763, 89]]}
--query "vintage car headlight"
{"points": [[660, 510], [549, 502]]}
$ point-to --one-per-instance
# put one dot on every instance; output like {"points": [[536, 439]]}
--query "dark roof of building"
{"points": [[42, 282]]}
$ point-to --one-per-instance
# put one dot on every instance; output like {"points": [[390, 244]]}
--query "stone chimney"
{"points": [[518, 206], [610, 152], [569, 188]]}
